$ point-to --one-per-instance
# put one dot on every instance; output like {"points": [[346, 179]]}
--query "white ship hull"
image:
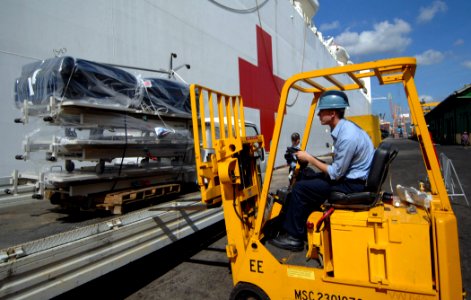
{"points": [[237, 53]]}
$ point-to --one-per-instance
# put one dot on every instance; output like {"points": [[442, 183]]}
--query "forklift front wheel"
{"points": [[248, 291]]}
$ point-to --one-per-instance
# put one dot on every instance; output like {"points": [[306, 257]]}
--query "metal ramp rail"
{"points": [[16, 189], [47, 267]]}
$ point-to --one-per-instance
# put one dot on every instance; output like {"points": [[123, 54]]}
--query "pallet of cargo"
{"points": [[97, 112], [114, 132]]}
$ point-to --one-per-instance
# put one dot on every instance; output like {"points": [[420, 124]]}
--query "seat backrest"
{"points": [[384, 155]]}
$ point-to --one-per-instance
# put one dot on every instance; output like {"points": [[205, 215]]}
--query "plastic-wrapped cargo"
{"points": [[86, 82], [167, 96], [76, 79], [99, 129], [96, 112]]}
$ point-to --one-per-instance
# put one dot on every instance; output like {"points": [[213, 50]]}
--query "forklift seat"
{"points": [[383, 157]]}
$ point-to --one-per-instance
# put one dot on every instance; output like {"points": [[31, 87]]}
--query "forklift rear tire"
{"points": [[248, 291]]}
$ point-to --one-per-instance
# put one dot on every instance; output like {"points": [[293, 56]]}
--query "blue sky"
{"points": [[437, 33]]}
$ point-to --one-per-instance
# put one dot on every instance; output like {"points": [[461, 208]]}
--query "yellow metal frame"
{"points": [[389, 71], [229, 173], [220, 108], [251, 261]]}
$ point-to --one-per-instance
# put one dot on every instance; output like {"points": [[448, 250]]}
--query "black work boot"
{"points": [[288, 242]]}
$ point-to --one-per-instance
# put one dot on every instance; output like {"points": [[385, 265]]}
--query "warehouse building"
{"points": [[448, 120]]}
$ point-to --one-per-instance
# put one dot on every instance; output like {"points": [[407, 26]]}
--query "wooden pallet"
{"points": [[116, 200]]}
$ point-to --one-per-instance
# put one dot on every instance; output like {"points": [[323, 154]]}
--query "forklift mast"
{"points": [[382, 252], [226, 162]]}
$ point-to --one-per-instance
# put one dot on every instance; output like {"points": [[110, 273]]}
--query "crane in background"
{"points": [[399, 120], [385, 126], [395, 111]]}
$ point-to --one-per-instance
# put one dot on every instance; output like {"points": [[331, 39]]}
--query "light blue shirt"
{"points": [[353, 152]]}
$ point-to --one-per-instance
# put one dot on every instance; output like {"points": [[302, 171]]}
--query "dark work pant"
{"points": [[307, 196]]}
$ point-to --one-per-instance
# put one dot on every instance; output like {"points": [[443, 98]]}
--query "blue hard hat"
{"points": [[333, 100]]}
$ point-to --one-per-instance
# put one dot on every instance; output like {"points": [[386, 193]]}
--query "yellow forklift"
{"points": [[363, 245]]}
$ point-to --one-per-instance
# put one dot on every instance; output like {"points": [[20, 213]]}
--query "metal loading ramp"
{"points": [[47, 267]]}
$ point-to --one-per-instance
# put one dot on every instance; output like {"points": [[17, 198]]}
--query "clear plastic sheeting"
{"points": [[167, 96], [110, 136], [84, 117], [413, 196], [83, 81]]}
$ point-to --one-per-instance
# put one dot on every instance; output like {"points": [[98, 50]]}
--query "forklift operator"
{"points": [[353, 154]]}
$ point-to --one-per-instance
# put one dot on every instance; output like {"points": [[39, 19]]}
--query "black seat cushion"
{"points": [[382, 158], [353, 198], [379, 170]]}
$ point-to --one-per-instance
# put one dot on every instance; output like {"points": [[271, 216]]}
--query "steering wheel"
{"points": [[293, 150]]}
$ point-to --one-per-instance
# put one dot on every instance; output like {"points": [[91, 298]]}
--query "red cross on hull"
{"points": [[259, 87]]}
